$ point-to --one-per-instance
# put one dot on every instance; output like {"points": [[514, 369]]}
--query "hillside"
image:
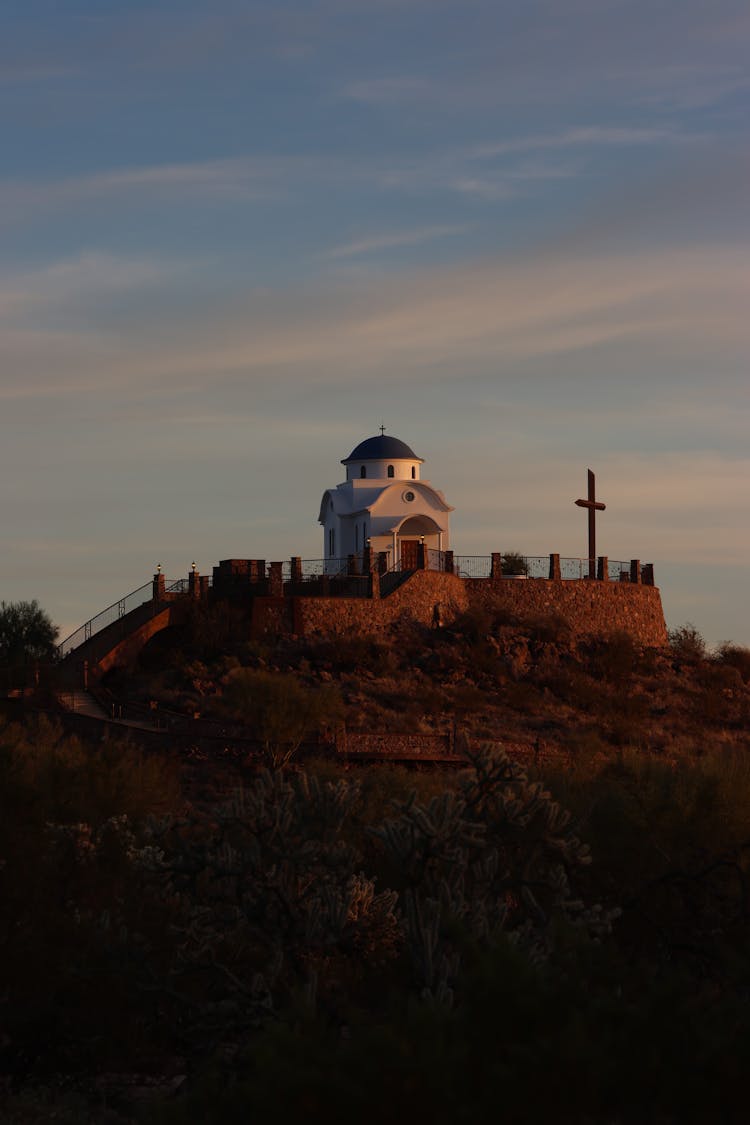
{"points": [[527, 683], [559, 932]]}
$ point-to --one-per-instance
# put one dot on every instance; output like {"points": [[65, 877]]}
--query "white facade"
{"points": [[382, 503]]}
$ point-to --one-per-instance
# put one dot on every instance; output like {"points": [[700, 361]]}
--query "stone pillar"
{"points": [[325, 584], [554, 568], [448, 560], [367, 559], [160, 586], [351, 564], [275, 580], [635, 570], [194, 589], [256, 569], [422, 556], [203, 586], [496, 569], [647, 574], [296, 568], [602, 569], [373, 585], [382, 562]]}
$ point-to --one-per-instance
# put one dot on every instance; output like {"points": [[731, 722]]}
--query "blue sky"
{"points": [[237, 237]]}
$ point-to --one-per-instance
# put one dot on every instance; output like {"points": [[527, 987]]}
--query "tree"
{"points": [[26, 633]]}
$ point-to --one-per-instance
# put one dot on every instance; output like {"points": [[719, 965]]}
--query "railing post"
{"points": [[554, 568], [159, 586], [496, 566], [193, 584], [448, 562], [382, 562], [635, 570], [275, 580], [421, 556], [351, 564], [367, 559], [602, 569]]}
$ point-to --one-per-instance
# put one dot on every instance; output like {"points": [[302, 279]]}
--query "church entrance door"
{"points": [[409, 554]]}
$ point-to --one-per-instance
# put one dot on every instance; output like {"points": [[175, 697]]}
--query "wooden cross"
{"points": [[382, 430], [593, 507]]}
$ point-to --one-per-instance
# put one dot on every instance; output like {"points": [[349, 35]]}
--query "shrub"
{"points": [[281, 711], [549, 628], [512, 562], [735, 657], [687, 644], [614, 657]]}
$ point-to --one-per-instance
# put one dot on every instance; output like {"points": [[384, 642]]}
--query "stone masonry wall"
{"points": [[414, 600], [591, 608]]}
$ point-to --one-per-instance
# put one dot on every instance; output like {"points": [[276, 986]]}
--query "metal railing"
{"points": [[537, 566], [472, 566], [115, 612]]}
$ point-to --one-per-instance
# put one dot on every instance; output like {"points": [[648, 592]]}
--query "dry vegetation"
{"points": [[526, 684], [568, 938]]}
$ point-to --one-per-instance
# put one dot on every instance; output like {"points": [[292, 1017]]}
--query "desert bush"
{"points": [[687, 644], [613, 657], [549, 628], [735, 657], [512, 563], [280, 710], [474, 624]]}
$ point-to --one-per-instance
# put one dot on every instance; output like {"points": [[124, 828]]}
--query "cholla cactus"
{"points": [[272, 896], [495, 856]]}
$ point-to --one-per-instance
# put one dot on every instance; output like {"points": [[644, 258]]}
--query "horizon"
{"points": [[238, 241]]}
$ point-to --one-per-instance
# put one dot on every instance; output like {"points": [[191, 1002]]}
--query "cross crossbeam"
{"points": [[593, 505]]}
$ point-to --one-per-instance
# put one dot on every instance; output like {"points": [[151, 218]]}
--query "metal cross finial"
{"points": [[593, 507], [382, 430]]}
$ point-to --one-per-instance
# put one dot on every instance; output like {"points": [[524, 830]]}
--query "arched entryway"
{"points": [[408, 536]]}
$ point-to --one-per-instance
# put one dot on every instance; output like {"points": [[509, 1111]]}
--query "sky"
{"points": [[239, 237]]}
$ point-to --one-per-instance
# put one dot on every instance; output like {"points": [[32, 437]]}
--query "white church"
{"points": [[383, 504]]}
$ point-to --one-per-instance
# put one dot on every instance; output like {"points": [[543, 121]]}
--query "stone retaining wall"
{"points": [[415, 600], [591, 608]]}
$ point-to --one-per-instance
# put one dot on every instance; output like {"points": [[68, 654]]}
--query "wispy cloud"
{"points": [[684, 307], [583, 136], [376, 242], [386, 91], [72, 283], [241, 178], [687, 87]]}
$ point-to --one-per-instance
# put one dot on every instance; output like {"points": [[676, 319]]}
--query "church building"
{"points": [[383, 504]]}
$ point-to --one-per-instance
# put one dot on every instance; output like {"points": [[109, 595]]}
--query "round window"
{"points": [[409, 496]]}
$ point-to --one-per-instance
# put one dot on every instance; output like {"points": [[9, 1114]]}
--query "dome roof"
{"points": [[382, 447]]}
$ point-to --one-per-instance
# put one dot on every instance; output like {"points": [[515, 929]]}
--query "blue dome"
{"points": [[383, 447]]}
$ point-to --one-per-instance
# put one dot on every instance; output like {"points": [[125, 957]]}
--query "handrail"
{"points": [[536, 566], [113, 613]]}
